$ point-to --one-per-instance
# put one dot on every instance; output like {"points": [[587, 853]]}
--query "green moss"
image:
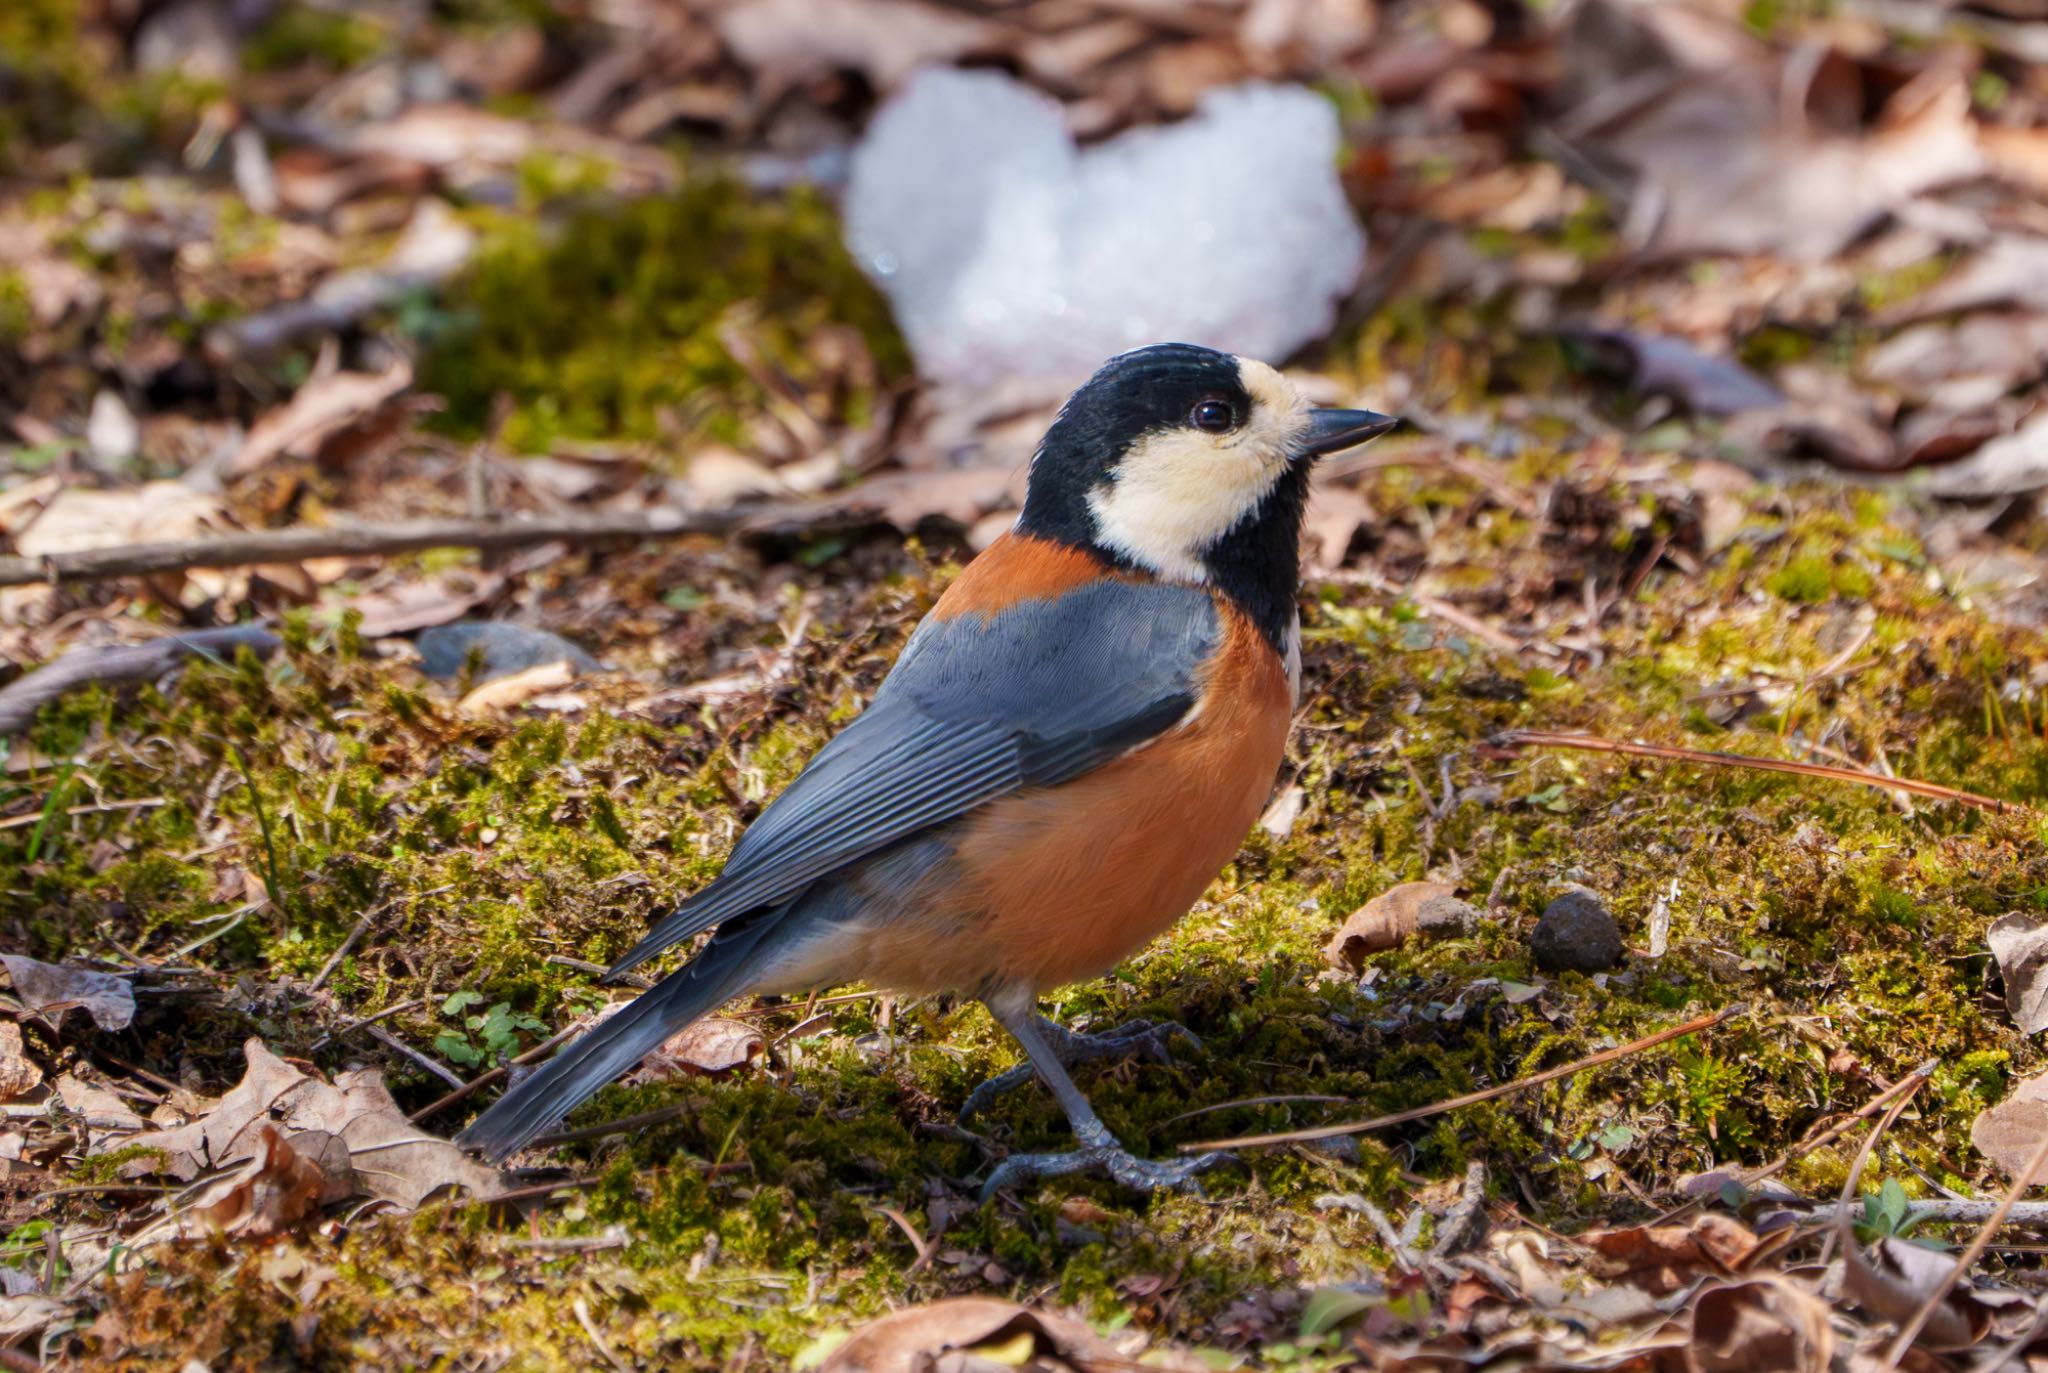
{"points": [[490, 848], [299, 33], [611, 325]]}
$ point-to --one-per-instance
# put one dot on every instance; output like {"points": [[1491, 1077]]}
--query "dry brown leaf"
{"points": [[1664, 1258], [105, 1113], [1395, 915], [1894, 1283], [2013, 270], [2019, 944], [393, 1159], [1965, 365], [504, 693], [412, 606], [322, 410], [1765, 1326], [2021, 155], [959, 496], [18, 1075], [1279, 817], [1008, 1335], [2008, 464], [80, 518], [49, 990], [441, 135], [1738, 151], [2009, 1132], [279, 1185], [788, 41], [706, 1048], [1335, 515], [29, 1313]]}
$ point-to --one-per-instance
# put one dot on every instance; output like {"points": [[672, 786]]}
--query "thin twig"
{"points": [[256, 547], [334, 959], [431, 1064], [605, 1129], [1588, 743], [355, 1025], [1705, 1022], [1282, 1099], [485, 1079], [2020, 1182]]}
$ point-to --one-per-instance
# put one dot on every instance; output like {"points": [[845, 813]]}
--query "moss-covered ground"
{"points": [[490, 860], [739, 1230]]}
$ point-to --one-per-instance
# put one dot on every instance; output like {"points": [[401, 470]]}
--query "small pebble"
{"points": [[1576, 934]]}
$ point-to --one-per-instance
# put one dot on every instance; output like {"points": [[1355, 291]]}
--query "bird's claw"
{"points": [[1112, 1161], [1152, 1039]]}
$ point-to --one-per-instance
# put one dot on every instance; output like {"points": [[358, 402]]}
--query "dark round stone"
{"points": [[1576, 934]]}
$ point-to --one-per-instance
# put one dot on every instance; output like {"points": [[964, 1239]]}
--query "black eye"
{"points": [[1213, 416]]}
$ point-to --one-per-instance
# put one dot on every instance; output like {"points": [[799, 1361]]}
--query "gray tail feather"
{"points": [[607, 1052]]}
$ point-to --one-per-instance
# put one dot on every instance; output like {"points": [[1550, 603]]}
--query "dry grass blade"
{"points": [[582, 1309], [1978, 1243], [1910, 1086], [1911, 1082], [1705, 1022], [1588, 743]]}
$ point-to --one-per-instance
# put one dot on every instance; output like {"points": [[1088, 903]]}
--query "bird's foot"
{"points": [[1149, 1038], [1111, 1160]]}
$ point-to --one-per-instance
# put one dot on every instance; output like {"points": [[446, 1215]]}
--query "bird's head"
{"points": [[1189, 464]]}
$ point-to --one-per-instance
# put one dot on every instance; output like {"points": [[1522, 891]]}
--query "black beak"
{"points": [[1332, 431]]}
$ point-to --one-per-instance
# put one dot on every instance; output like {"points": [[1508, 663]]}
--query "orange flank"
{"points": [[1052, 886]]}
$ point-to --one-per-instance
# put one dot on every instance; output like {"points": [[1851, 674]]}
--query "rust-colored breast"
{"points": [[1053, 886]]}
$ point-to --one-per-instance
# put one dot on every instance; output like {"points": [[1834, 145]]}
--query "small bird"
{"points": [[1071, 746]]}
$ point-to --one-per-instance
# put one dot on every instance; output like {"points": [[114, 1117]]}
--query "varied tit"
{"points": [[1073, 743]]}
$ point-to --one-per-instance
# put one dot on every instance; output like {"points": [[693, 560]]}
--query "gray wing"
{"points": [[974, 709]]}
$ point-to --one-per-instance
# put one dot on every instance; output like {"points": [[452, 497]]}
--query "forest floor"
{"points": [[326, 860]]}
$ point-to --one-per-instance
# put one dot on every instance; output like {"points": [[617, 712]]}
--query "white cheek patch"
{"points": [[1178, 491]]}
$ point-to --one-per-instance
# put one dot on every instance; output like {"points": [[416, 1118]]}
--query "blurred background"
{"points": [[273, 261]]}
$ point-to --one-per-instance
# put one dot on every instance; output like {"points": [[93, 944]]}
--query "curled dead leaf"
{"points": [[1767, 1325], [29, 1313], [2019, 943], [18, 1075], [1004, 1334], [322, 411], [517, 689], [1393, 916], [1895, 1281], [706, 1048], [2009, 1132], [1665, 1258], [49, 990], [279, 1185]]}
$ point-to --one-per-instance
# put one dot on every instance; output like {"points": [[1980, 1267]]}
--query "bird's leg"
{"points": [[1069, 1048], [1100, 1152]]}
